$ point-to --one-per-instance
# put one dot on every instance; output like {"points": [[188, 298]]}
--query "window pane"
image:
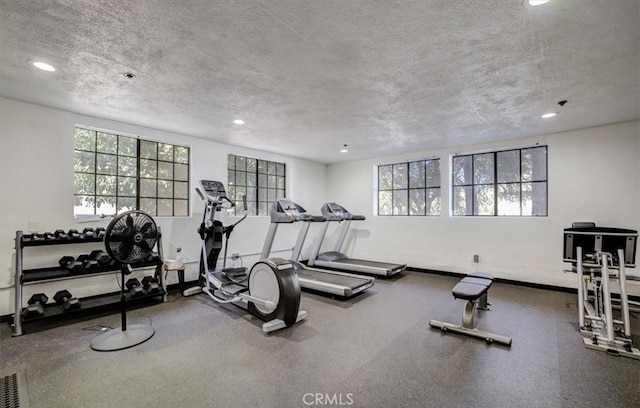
{"points": [[85, 139], [271, 168], [182, 154], [433, 173], [231, 178], [385, 206], [241, 178], [127, 146], [534, 198], [462, 170], [165, 152], [400, 175], [148, 205], [237, 197], [508, 166], [127, 166], [148, 150], [400, 202], [165, 170], [262, 208], [433, 201], [106, 185], [417, 204], [262, 180], [280, 169], [534, 164], [180, 208], [251, 179], [84, 184], [85, 161], [165, 207], [271, 195], [107, 143], [280, 183], [271, 181], [484, 200], [107, 164], [181, 190], [483, 168], [148, 188], [148, 168], [262, 166], [509, 199], [385, 175], [126, 204], [251, 195], [262, 194], [417, 174], [252, 165], [231, 162], [106, 205], [463, 200], [127, 187], [241, 163], [83, 205], [165, 188], [181, 172], [280, 193]]}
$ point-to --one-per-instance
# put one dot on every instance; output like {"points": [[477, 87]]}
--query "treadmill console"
{"points": [[336, 212], [286, 211], [213, 190]]}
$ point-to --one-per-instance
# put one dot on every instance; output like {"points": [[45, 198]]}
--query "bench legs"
{"points": [[467, 328]]}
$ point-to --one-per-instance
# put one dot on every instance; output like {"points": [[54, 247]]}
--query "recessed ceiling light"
{"points": [[239, 122], [43, 66], [537, 2], [549, 115], [344, 149]]}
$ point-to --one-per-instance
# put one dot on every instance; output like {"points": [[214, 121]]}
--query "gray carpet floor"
{"points": [[375, 350]]}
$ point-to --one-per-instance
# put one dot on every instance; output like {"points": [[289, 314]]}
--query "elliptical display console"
{"points": [[270, 290]]}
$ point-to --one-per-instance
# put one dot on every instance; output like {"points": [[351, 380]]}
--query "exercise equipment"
{"points": [[128, 239], [150, 284], [474, 289], [35, 306], [73, 233], [88, 232], [270, 290], [135, 288], [71, 264], [338, 260], [599, 255], [285, 211], [60, 234], [64, 297]]}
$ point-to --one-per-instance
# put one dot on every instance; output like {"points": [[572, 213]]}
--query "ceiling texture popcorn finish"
{"points": [[385, 77]]}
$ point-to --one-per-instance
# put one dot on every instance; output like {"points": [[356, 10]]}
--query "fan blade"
{"points": [[130, 221], [146, 227], [124, 251], [144, 245]]}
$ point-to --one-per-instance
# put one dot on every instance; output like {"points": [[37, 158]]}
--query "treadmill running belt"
{"points": [[373, 264], [346, 281]]}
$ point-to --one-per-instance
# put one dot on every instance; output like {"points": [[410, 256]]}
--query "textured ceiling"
{"points": [[385, 77]]}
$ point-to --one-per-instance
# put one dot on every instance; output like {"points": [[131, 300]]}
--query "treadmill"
{"points": [[338, 260], [285, 211]]}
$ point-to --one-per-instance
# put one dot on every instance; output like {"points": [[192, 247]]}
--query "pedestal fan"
{"points": [[129, 238]]}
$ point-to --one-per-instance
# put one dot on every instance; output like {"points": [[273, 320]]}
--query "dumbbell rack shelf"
{"points": [[50, 274]]}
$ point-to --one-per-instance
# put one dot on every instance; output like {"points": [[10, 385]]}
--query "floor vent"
{"points": [[11, 386]]}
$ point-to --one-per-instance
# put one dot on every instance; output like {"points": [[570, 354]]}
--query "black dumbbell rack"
{"points": [[56, 273]]}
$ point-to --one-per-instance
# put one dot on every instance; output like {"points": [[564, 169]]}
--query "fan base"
{"points": [[117, 339]]}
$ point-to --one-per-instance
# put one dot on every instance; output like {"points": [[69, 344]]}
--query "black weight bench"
{"points": [[474, 289]]}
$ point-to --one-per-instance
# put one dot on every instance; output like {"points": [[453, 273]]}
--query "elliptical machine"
{"points": [[270, 291]]}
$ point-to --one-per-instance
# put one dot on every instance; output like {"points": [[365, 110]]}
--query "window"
{"points": [[411, 188], [261, 181], [114, 173], [508, 182]]}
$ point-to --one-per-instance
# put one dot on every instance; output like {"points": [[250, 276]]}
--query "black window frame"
{"points": [[495, 184], [131, 179], [427, 187], [267, 179]]}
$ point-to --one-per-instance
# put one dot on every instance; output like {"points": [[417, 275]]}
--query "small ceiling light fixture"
{"points": [[549, 115], [538, 2], [239, 122], [129, 75], [344, 149], [43, 66]]}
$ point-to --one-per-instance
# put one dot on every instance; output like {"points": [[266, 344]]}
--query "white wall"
{"points": [[36, 185], [593, 176]]}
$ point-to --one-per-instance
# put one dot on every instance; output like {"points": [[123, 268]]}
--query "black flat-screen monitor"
{"points": [[605, 239]]}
